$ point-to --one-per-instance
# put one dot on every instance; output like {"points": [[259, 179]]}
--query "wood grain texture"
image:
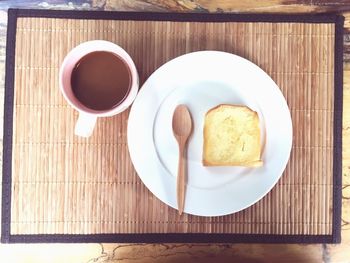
{"points": [[161, 253], [182, 130], [253, 6], [235, 6], [174, 253]]}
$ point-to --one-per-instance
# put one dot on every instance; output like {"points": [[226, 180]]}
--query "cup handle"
{"points": [[85, 124]]}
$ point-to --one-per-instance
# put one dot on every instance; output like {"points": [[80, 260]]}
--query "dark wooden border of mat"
{"points": [[13, 14]]}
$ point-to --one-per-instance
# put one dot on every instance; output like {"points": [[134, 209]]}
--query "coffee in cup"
{"points": [[99, 79]]}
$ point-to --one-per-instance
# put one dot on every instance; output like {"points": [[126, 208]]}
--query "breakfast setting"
{"points": [[139, 127]]}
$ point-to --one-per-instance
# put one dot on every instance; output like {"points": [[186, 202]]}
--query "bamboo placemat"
{"points": [[61, 188]]}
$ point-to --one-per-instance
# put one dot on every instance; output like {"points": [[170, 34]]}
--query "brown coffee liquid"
{"points": [[101, 80]]}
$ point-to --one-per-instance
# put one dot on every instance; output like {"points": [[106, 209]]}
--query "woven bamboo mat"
{"points": [[63, 184]]}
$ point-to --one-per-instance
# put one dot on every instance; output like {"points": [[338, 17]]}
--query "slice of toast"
{"points": [[231, 137]]}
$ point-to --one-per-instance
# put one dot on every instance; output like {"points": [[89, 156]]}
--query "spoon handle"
{"points": [[181, 178]]}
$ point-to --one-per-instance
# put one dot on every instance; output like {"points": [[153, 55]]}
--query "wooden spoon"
{"points": [[182, 129]]}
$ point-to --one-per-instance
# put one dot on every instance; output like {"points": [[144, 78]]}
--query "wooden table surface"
{"points": [[256, 253]]}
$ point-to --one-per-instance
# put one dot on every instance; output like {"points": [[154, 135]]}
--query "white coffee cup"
{"points": [[87, 117]]}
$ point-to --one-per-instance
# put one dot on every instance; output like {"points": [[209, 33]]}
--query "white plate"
{"points": [[202, 80]]}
